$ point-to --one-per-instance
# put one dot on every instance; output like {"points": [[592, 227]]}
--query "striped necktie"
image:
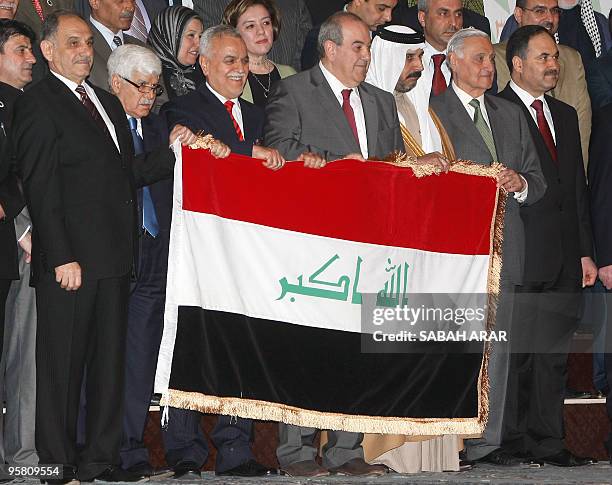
{"points": [[138, 27], [483, 128], [229, 105]]}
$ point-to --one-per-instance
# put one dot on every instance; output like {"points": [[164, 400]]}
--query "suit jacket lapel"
{"points": [[324, 97], [462, 121], [102, 48], [497, 127], [117, 123], [370, 113]]}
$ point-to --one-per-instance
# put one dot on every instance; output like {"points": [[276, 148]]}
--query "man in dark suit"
{"points": [[599, 80], [216, 108], [373, 12], [108, 20], [403, 14], [485, 129], [134, 78], [79, 175], [17, 373], [330, 111], [558, 256]]}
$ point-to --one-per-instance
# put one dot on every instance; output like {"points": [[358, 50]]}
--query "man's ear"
{"points": [[517, 64], [518, 15], [203, 64], [421, 17], [46, 47], [330, 48], [115, 84]]}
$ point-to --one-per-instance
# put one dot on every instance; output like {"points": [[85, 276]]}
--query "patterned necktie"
{"points": [[545, 128], [91, 108], [149, 217], [138, 27], [348, 112], [483, 128], [229, 105], [117, 41], [438, 83], [39, 10]]}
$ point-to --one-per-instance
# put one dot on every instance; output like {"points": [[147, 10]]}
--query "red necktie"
{"points": [[228, 106], [349, 113], [544, 128], [91, 108], [438, 84], [39, 10]]}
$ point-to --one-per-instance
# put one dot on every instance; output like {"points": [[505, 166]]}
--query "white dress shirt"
{"points": [[236, 111], [94, 99], [355, 100], [465, 99], [107, 33], [528, 99], [424, 84]]}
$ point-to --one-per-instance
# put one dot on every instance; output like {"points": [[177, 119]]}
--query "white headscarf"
{"points": [[388, 60]]}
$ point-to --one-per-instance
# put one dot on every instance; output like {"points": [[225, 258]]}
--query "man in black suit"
{"points": [[408, 16], [373, 12], [76, 160], [216, 108], [558, 256], [599, 81], [18, 370]]}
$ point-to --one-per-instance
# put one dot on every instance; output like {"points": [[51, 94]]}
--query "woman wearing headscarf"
{"points": [[258, 22], [175, 38]]}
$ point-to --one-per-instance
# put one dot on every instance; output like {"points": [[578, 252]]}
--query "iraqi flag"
{"points": [[269, 274]]}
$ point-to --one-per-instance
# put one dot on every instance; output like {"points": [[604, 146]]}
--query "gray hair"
{"points": [[423, 6], [127, 59], [455, 44], [331, 29], [216, 32]]}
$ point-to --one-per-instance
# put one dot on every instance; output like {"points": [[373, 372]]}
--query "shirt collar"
{"points": [[465, 98], [106, 32], [71, 84], [334, 83], [429, 51], [220, 97], [526, 97]]}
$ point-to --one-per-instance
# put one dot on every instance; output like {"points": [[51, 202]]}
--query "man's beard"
{"points": [[403, 87]]}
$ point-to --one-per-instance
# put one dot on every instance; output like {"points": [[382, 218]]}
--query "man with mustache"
{"points": [[373, 12], [331, 111], [558, 256], [423, 134], [571, 87], [216, 108], [17, 373], [486, 129], [76, 160], [108, 20], [134, 73], [8, 9]]}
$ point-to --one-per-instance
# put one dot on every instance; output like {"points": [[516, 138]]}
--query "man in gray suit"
{"points": [[108, 20], [320, 115], [486, 129]]}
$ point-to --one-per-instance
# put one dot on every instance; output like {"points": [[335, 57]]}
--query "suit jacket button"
{"points": [[128, 202]]}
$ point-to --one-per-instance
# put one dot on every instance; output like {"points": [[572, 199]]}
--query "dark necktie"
{"points": [[348, 112], [229, 105], [117, 41], [544, 128], [438, 83], [149, 217], [91, 108]]}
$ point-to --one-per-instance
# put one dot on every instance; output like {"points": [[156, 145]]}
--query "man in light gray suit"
{"points": [[320, 115], [486, 129]]}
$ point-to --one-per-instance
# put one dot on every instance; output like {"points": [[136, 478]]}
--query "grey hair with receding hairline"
{"points": [[213, 33], [127, 59], [455, 44], [331, 30]]}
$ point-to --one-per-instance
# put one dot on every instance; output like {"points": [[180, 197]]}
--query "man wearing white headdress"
{"points": [[396, 67]]}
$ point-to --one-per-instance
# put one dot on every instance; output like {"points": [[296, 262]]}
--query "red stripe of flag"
{"points": [[351, 200]]}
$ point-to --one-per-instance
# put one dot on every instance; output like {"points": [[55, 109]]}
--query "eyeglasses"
{"points": [[540, 11], [146, 88]]}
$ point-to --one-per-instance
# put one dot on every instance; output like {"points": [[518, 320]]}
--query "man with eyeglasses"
{"points": [[571, 87], [134, 78]]}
